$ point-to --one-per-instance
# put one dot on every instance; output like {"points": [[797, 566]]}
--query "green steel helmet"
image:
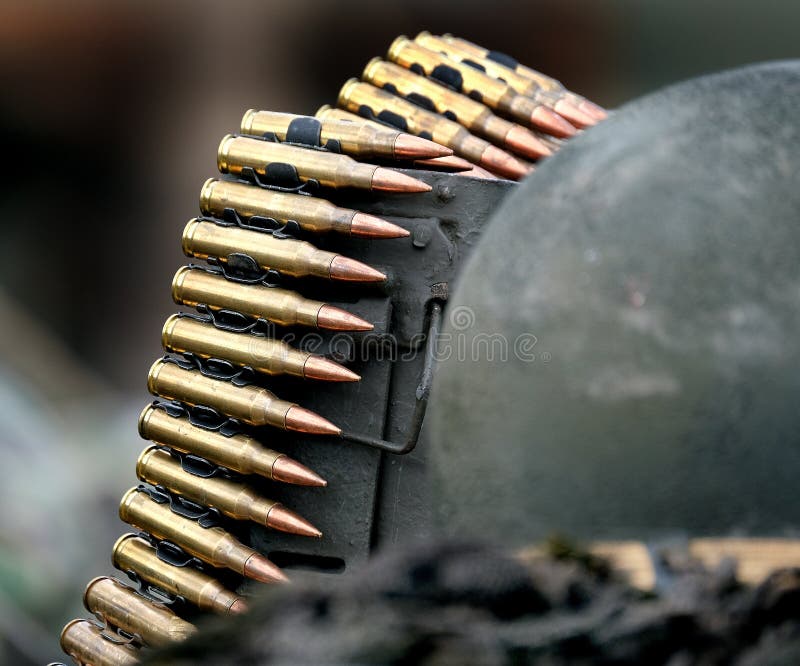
{"points": [[626, 337]]}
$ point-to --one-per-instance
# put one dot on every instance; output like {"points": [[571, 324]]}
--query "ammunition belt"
{"points": [[329, 248]]}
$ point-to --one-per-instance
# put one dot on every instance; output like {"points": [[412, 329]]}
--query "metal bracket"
{"points": [[422, 395]]}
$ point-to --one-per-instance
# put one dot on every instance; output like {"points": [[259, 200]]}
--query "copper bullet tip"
{"points": [[549, 121], [388, 180], [238, 607], [449, 163], [478, 172], [301, 419], [592, 109], [285, 520], [574, 114], [336, 319], [504, 164], [317, 367], [526, 143], [261, 569], [288, 470], [369, 226], [410, 147], [350, 270]]}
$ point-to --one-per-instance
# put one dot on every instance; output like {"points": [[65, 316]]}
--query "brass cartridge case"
{"points": [[251, 404], [519, 83], [330, 169], [466, 79], [355, 94], [476, 117], [132, 553], [212, 545], [83, 641], [327, 111], [474, 51], [235, 499], [265, 355], [123, 607], [574, 107], [194, 287], [239, 453], [262, 354], [494, 93], [204, 239], [359, 140], [310, 213]]}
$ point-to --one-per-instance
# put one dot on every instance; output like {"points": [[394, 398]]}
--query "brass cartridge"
{"points": [[204, 239], [123, 607], [545, 82], [83, 641], [239, 453], [212, 545], [359, 140], [310, 213], [132, 553], [468, 80], [476, 117], [194, 287], [356, 96], [235, 499], [251, 404], [266, 355], [556, 100], [329, 169]]}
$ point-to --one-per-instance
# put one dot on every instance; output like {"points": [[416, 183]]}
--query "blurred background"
{"points": [[110, 120]]}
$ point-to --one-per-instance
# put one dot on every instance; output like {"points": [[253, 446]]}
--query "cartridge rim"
{"points": [[118, 543], [169, 325], [188, 233], [90, 585], [144, 417], [144, 456], [348, 85], [206, 191], [70, 624], [152, 376], [125, 503], [177, 282], [371, 65], [247, 121], [396, 45], [222, 153]]}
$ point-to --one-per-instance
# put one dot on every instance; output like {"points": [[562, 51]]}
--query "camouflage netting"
{"points": [[459, 603]]}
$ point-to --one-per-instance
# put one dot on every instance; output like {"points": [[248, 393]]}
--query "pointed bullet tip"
{"points": [[573, 114], [526, 143], [409, 147], [288, 470], [549, 121], [238, 607], [318, 367], [450, 163], [286, 520], [350, 270], [336, 319], [504, 164], [300, 419], [369, 226], [388, 180], [261, 569], [592, 109]]}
